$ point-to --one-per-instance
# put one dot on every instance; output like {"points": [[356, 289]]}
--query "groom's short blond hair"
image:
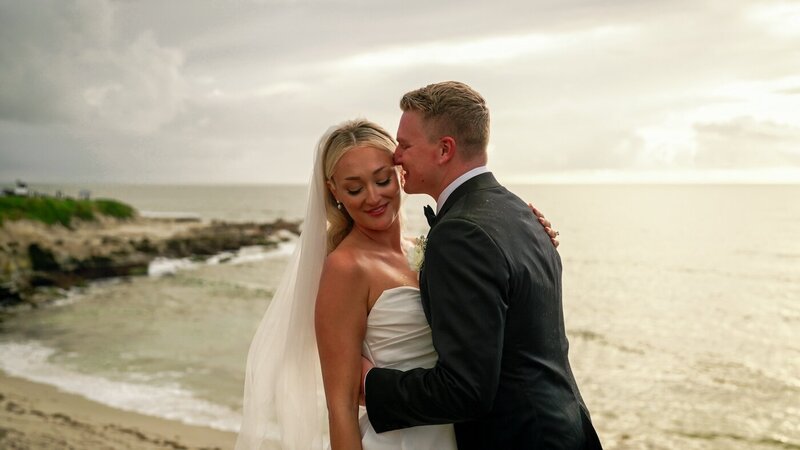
{"points": [[452, 108]]}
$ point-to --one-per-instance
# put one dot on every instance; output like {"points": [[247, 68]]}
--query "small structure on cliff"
{"points": [[22, 189]]}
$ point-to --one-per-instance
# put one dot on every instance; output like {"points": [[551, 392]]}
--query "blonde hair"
{"points": [[349, 135], [452, 108]]}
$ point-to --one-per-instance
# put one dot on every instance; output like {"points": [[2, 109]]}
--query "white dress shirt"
{"points": [[456, 183]]}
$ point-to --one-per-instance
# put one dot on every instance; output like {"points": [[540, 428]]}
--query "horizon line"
{"points": [[765, 176]]}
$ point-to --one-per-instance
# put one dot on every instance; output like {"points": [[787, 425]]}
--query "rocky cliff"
{"points": [[34, 257]]}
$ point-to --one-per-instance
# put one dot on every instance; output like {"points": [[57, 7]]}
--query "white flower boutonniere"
{"points": [[417, 255]]}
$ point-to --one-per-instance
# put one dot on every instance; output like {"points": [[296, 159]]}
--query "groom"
{"points": [[491, 290]]}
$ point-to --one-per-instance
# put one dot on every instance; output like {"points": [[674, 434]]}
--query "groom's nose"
{"points": [[398, 153]]}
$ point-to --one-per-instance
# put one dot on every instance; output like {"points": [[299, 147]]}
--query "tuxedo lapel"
{"points": [[483, 181]]}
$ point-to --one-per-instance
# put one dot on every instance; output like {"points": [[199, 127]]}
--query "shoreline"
{"points": [[35, 415]]}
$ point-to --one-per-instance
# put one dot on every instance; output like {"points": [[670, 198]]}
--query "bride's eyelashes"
{"points": [[354, 192]]}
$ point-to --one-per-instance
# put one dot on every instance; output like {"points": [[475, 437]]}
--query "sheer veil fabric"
{"points": [[284, 400]]}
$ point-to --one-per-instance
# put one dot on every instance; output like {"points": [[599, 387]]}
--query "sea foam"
{"points": [[169, 266], [31, 361]]}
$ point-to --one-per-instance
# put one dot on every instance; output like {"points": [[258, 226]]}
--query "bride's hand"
{"points": [[546, 224], [366, 365]]}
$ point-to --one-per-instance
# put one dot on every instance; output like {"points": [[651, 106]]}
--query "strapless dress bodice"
{"points": [[398, 337]]}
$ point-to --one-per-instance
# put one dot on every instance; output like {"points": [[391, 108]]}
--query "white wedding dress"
{"points": [[398, 337]]}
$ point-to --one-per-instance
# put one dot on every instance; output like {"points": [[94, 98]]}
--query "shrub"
{"points": [[52, 210], [114, 208]]}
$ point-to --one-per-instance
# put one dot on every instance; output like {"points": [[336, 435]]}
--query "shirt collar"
{"points": [[456, 183]]}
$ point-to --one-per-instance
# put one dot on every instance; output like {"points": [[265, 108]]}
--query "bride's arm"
{"points": [[340, 322]]}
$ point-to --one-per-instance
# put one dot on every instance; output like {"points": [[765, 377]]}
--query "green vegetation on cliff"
{"points": [[51, 210]]}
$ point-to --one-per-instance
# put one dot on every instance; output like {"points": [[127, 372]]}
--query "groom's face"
{"points": [[417, 154]]}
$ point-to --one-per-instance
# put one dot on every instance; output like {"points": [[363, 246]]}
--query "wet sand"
{"points": [[38, 416]]}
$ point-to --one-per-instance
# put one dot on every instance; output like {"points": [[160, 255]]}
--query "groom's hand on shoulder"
{"points": [[366, 365]]}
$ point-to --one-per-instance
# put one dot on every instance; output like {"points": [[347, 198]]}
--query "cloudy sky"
{"points": [[199, 91]]}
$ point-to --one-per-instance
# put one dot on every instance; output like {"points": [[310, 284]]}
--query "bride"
{"points": [[348, 291]]}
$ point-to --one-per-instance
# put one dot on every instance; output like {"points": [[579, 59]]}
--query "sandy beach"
{"points": [[38, 416]]}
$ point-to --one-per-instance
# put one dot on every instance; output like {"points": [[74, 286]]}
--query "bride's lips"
{"points": [[375, 212]]}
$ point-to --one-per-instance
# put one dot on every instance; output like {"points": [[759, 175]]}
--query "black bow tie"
{"points": [[429, 214]]}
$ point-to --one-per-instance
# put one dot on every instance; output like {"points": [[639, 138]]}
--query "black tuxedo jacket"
{"points": [[491, 290]]}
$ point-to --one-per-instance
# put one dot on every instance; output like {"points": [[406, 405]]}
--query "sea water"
{"points": [[682, 306]]}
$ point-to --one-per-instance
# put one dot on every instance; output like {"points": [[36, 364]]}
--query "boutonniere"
{"points": [[417, 254]]}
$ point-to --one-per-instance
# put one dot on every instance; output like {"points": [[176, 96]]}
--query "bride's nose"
{"points": [[373, 198]]}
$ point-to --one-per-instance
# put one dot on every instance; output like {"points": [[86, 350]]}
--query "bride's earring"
{"points": [[339, 205]]}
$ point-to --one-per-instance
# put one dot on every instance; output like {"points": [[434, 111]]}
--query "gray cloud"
{"points": [[745, 142], [63, 63], [204, 90], [34, 153]]}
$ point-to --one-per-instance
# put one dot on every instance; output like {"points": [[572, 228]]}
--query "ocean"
{"points": [[682, 305]]}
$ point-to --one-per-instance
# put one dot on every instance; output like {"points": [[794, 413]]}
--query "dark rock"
{"points": [[42, 259], [9, 296], [144, 246]]}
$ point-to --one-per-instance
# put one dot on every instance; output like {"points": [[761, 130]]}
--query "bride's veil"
{"points": [[284, 405]]}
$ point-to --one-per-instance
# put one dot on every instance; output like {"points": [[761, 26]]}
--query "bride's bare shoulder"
{"points": [[343, 263], [343, 277]]}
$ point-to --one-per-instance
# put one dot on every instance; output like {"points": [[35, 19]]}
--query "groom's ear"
{"points": [[447, 149]]}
